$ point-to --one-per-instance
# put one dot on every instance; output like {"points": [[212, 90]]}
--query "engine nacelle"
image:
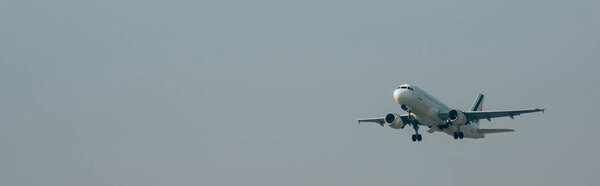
{"points": [[394, 121], [457, 117]]}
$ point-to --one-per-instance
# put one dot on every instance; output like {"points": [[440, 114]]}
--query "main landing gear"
{"points": [[459, 134]]}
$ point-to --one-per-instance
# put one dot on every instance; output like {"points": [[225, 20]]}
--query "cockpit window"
{"points": [[405, 87]]}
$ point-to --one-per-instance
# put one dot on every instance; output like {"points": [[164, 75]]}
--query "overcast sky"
{"points": [[130, 92]]}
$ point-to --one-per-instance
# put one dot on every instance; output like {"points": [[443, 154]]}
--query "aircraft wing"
{"points": [[489, 131], [475, 115], [380, 120]]}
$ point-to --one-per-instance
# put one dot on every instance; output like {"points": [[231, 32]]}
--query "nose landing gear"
{"points": [[458, 135], [417, 137], [415, 125]]}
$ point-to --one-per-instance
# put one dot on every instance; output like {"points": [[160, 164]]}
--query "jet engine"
{"points": [[457, 117], [394, 121]]}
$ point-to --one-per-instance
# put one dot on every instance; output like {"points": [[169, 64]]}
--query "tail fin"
{"points": [[477, 105]]}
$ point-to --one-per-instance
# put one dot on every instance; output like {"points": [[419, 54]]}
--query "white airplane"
{"points": [[424, 109]]}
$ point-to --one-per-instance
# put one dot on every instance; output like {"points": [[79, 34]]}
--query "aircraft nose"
{"points": [[397, 94]]}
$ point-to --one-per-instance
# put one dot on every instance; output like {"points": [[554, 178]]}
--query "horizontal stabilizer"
{"points": [[489, 131]]}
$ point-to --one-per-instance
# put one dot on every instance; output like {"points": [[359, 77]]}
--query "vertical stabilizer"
{"points": [[477, 105]]}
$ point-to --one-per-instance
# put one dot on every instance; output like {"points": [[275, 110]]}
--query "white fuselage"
{"points": [[425, 108]]}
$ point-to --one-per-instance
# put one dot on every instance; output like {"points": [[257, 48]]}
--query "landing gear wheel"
{"points": [[455, 135], [415, 125], [461, 135]]}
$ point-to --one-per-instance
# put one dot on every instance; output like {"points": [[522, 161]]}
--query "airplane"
{"points": [[423, 109]]}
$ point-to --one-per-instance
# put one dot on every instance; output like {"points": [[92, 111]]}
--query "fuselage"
{"points": [[426, 108]]}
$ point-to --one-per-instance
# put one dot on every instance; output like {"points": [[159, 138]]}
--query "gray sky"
{"points": [[268, 92]]}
